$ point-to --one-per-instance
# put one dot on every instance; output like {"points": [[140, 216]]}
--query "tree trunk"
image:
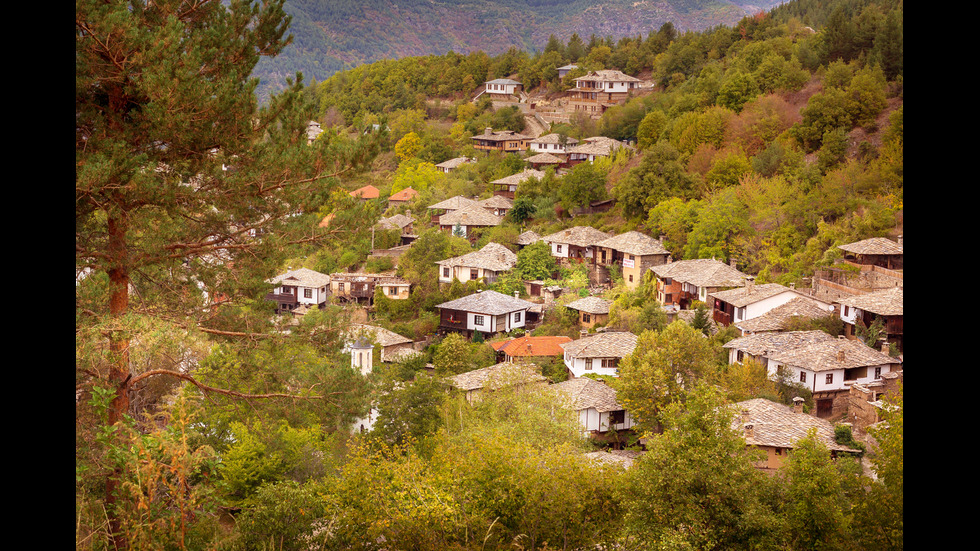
{"points": [[119, 374]]}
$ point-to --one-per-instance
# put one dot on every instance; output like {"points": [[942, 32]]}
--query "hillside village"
{"points": [[635, 294]]}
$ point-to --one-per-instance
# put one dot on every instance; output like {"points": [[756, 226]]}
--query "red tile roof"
{"points": [[532, 346], [404, 195], [366, 192]]}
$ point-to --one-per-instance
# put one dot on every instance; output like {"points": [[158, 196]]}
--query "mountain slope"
{"points": [[331, 35]]}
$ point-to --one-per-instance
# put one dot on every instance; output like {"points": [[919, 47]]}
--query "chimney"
{"points": [[840, 355], [749, 432], [798, 404], [488, 131], [731, 262], [884, 347], [517, 294], [901, 239]]}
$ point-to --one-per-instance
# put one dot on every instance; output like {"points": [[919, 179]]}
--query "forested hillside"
{"points": [[330, 35], [204, 420]]}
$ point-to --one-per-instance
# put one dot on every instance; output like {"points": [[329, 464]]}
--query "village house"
{"points": [[863, 310], [681, 282], [507, 186], [461, 221], [313, 131], [403, 223], [299, 288], [475, 384], [599, 353], [776, 428], [593, 148], [486, 264], [497, 205], [366, 192], [393, 347], [598, 410], [359, 287], [876, 251], [502, 89], [505, 141], [598, 90], [748, 301], [592, 311], [452, 164], [565, 69], [552, 144], [527, 238], [402, 197], [578, 242], [634, 252], [542, 161], [485, 311], [782, 317], [530, 349], [449, 205], [825, 364]]}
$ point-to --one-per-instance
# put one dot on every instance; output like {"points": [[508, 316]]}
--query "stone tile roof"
{"points": [[750, 294], [602, 345], [502, 81], [634, 242], [382, 336], [590, 305], [454, 163], [544, 159], [586, 393], [470, 216], [704, 272], [487, 302], [384, 278], [501, 136], [497, 376], [835, 353], [766, 344], [875, 245], [532, 346], [528, 238], [608, 75], [302, 277], [396, 222], [521, 176], [779, 426], [885, 302], [554, 138], [778, 318], [497, 202], [618, 457], [404, 195], [493, 256], [455, 203], [581, 236], [366, 192]]}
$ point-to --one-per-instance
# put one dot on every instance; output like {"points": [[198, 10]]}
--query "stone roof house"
{"points": [[596, 405], [748, 301], [467, 218], [359, 287], [506, 141], [448, 166], [507, 186], [776, 428], [683, 281], [486, 264], [552, 145], [527, 238], [576, 242], [634, 252], [598, 90], [498, 205], [592, 311], [474, 384], [878, 251], [484, 311], [593, 148], [886, 304], [599, 353], [780, 317], [394, 347], [299, 288]]}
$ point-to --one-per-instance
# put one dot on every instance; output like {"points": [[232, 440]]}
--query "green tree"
{"points": [[176, 166], [879, 515], [662, 369], [583, 185]]}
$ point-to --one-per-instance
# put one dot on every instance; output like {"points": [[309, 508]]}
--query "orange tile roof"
{"points": [[366, 192], [532, 346], [404, 195]]}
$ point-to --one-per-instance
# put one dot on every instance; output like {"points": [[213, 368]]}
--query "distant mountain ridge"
{"points": [[332, 35]]}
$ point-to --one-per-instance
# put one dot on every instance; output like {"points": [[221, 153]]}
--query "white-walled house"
{"points": [[599, 353], [301, 287], [751, 301], [486, 264], [502, 89], [552, 143], [826, 365], [596, 405], [474, 384], [484, 311], [576, 242]]}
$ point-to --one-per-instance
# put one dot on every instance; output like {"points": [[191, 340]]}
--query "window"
{"points": [[586, 318], [445, 272], [617, 417], [588, 364], [877, 373], [474, 273], [517, 317], [392, 290], [610, 363], [631, 278], [802, 376], [559, 248], [307, 293], [477, 320], [340, 287], [830, 378]]}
